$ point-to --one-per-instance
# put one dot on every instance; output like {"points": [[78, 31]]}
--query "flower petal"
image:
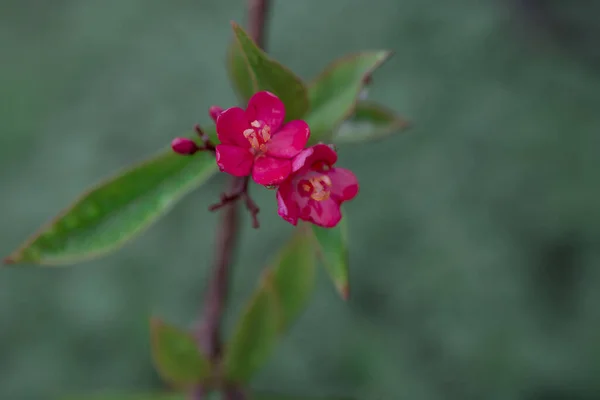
{"points": [[287, 207], [271, 171], [231, 125], [308, 157], [234, 160], [324, 213], [344, 185], [289, 140], [266, 107]]}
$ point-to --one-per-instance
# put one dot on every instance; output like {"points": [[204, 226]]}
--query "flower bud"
{"points": [[214, 112], [184, 146]]}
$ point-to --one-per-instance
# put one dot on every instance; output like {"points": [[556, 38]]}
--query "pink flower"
{"points": [[315, 190], [254, 141]]}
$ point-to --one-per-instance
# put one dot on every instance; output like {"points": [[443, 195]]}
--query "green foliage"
{"points": [[292, 275], [332, 247], [265, 74], [333, 95], [255, 335], [240, 75], [116, 210], [369, 121], [282, 293], [177, 356]]}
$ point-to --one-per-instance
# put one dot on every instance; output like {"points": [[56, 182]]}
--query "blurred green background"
{"points": [[475, 240]]}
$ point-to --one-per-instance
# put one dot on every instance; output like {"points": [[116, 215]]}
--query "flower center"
{"points": [[318, 187], [258, 135]]}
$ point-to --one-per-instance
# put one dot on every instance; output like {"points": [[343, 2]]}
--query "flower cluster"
{"points": [[256, 142]]}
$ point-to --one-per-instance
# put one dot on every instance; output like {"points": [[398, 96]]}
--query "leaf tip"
{"points": [[345, 291], [155, 324], [402, 123], [19, 256], [9, 260], [384, 56], [155, 337], [234, 25]]}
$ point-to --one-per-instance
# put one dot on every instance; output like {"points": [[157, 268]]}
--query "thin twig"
{"points": [[208, 145], [258, 12], [240, 192], [209, 335]]}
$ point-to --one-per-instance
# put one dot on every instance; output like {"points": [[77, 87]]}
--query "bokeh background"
{"points": [[475, 240]]}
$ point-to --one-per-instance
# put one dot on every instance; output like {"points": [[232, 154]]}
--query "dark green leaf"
{"points": [[333, 251], [176, 355], [370, 121], [333, 95], [116, 210], [282, 293], [266, 74]]}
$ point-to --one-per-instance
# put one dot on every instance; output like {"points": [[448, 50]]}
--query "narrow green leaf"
{"points": [[176, 355], [370, 121], [281, 295], [293, 274], [333, 251], [254, 337], [333, 95], [116, 210], [266, 74], [159, 396]]}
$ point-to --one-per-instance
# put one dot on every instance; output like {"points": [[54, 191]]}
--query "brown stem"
{"points": [[258, 12], [217, 291], [207, 144], [209, 334], [240, 192]]}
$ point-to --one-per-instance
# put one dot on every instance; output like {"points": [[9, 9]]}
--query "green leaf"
{"points": [[255, 335], [163, 396], [176, 355], [333, 251], [116, 210], [240, 76], [333, 95], [265, 74], [281, 295], [370, 121], [293, 275]]}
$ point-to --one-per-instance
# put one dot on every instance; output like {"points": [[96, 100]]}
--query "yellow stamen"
{"points": [[250, 134], [320, 185], [258, 137]]}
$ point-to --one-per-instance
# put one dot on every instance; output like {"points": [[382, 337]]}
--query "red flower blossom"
{"points": [[315, 190], [254, 141]]}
